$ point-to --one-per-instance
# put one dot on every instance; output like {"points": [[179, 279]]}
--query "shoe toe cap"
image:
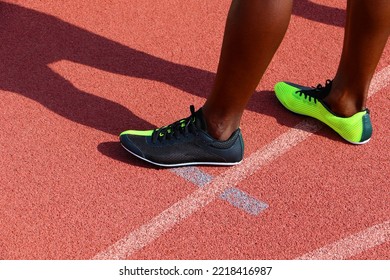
{"points": [[127, 142]]}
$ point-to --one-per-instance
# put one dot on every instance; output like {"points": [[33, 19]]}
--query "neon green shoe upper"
{"points": [[356, 129]]}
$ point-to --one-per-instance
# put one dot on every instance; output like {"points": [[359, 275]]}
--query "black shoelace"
{"points": [[177, 129], [317, 93]]}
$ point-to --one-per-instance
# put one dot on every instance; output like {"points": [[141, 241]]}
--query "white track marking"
{"points": [[352, 245], [184, 208]]}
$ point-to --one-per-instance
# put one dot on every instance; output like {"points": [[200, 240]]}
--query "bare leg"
{"points": [[366, 33], [254, 31]]}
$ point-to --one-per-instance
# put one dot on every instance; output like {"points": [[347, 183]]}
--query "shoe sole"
{"points": [[357, 143], [183, 164]]}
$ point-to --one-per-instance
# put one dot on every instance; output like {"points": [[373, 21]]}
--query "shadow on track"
{"points": [[319, 13], [31, 40]]}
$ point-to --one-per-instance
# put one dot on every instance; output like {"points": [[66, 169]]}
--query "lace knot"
{"points": [[177, 129], [316, 93]]}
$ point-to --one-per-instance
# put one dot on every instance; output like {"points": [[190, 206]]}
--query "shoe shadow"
{"points": [[265, 103], [115, 151], [31, 40]]}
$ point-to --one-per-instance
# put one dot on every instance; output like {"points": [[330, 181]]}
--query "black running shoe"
{"points": [[183, 143]]}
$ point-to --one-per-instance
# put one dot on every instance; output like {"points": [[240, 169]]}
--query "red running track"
{"points": [[74, 74]]}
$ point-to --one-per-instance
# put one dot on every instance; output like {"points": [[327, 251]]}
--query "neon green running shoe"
{"points": [[307, 101]]}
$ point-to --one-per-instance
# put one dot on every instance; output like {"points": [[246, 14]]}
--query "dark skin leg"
{"points": [[254, 31], [366, 33]]}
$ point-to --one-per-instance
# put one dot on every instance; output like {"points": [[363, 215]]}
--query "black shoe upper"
{"points": [[185, 142]]}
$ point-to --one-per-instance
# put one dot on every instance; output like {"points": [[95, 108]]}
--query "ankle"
{"points": [[220, 127], [343, 103]]}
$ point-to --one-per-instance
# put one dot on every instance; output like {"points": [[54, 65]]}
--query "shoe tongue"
{"points": [[323, 91], [199, 120]]}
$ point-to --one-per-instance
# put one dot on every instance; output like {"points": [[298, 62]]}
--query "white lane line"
{"points": [[233, 195], [182, 209], [244, 201], [193, 174], [352, 245], [379, 81]]}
